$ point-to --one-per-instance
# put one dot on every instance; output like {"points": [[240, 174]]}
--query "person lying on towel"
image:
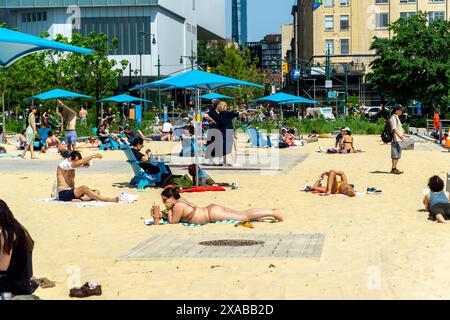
{"points": [[180, 210], [333, 185], [65, 174]]}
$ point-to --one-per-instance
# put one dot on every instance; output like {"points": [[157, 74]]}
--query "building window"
{"points": [[407, 1], [329, 3], [381, 1], [329, 23], [329, 46], [125, 29], [436, 1], [435, 15], [406, 15], [44, 16], [382, 20], [24, 17], [29, 17], [345, 46], [344, 22], [344, 3]]}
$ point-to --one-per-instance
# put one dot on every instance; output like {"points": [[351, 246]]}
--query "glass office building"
{"points": [[239, 21]]}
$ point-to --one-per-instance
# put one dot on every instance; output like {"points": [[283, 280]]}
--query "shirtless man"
{"points": [[333, 185], [65, 175], [83, 116], [70, 118]]}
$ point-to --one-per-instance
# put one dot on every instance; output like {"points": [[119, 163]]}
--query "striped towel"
{"points": [[149, 222]]}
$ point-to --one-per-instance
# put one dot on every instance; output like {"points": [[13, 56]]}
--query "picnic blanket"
{"points": [[149, 222]]}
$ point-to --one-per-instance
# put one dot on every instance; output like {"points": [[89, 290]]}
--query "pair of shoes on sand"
{"points": [[88, 289]]}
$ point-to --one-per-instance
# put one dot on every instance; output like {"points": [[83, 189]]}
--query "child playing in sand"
{"points": [[181, 210], [333, 185], [437, 201]]}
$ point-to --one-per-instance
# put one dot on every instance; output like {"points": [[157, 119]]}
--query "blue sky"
{"points": [[264, 17]]}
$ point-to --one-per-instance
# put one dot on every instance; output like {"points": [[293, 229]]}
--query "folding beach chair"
{"points": [[141, 178], [253, 135], [43, 133]]}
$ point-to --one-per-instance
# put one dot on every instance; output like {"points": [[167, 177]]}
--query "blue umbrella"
{"points": [[122, 98], [15, 45], [58, 94], [198, 80], [284, 98], [212, 96]]}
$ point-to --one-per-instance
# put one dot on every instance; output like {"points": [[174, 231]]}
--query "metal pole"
{"points": [[3, 118], [140, 64], [159, 88], [346, 90], [198, 133]]}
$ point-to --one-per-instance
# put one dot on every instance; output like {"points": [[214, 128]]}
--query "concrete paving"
{"points": [[187, 246]]}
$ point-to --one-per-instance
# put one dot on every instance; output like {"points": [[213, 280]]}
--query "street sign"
{"points": [[296, 74], [332, 94], [328, 84]]}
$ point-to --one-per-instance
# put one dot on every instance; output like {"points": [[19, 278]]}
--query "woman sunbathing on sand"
{"points": [[333, 185], [181, 210]]}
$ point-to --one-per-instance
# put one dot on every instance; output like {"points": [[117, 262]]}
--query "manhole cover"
{"points": [[231, 243]]}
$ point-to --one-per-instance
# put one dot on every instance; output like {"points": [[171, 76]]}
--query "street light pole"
{"points": [[159, 89]]}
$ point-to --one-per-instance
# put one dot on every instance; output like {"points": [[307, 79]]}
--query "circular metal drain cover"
{"points": [[231, 243]]}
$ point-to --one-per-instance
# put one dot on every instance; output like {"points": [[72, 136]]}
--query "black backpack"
{"points": [[387, 135]]}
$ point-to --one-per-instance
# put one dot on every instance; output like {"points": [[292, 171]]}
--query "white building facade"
{"points": [[169, 29]]}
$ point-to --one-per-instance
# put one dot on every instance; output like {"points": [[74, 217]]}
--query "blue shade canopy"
{"points": [[59, 94], [212, 96], [196, 79], [122, 98], [282, 98], [14, 45]]}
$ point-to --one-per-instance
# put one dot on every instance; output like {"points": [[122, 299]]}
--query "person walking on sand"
{"points": [[181, 210], [65, 175], [30, 133], [83, 116], [70, 118], [397, 136]]}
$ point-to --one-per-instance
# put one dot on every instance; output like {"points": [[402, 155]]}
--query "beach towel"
{"points": [[5, 155], [199, 189], [309, 189], [83, 204], [149, 222]]}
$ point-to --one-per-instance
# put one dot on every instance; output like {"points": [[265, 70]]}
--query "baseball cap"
{"points": [[347, 129], [397, 106]]}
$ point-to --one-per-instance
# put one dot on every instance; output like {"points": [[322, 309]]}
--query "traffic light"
{"points": [[285, 68], [208, 69]]}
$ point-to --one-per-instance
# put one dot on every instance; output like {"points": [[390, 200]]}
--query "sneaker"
{"points": [[234, 186], [307, 188], [396, 171], [88, 289], [373, 191]]}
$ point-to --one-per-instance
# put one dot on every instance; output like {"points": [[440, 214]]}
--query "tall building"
{"points": [[146, 29], [345, 30], [287, 34], [271, 52], [239, 21]]}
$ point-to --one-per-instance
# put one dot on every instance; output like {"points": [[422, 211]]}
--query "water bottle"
{"points": [[55, 190], [448, 182]]}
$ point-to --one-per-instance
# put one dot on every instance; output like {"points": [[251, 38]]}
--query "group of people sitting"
{"points": [[344, 143], [124, 136]]}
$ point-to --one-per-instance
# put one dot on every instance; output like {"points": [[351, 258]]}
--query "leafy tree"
{"points": [[211, 53], [415, 63], [240, 66]]}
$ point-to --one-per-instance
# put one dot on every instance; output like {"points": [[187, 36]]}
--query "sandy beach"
{"points": [[376, 247]]}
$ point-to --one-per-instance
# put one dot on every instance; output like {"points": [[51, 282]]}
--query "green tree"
{"points": [[211, 53], [415, 63], [239, 65]]}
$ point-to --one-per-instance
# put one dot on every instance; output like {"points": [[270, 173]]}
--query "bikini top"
{"points": [[190, 216]]}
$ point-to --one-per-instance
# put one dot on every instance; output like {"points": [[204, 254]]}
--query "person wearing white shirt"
{"points": [[167, 131], [397, 136]]}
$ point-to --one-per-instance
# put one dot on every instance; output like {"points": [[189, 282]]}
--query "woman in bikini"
{"points": [[333, 185], [181, 210]]}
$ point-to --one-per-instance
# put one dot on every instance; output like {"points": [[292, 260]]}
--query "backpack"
{"points": [[387, 135]]}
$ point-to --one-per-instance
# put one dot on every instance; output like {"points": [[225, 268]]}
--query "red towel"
{"points": [[199, 189]]}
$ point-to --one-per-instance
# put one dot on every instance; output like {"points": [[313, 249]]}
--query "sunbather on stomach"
{"points": [[180, 210], [333, 185]]}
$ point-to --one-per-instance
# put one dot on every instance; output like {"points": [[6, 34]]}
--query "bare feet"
{"points": [[278, 215], [115, 200]]}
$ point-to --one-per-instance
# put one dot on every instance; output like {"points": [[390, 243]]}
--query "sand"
{"points": [[377, 246]]}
